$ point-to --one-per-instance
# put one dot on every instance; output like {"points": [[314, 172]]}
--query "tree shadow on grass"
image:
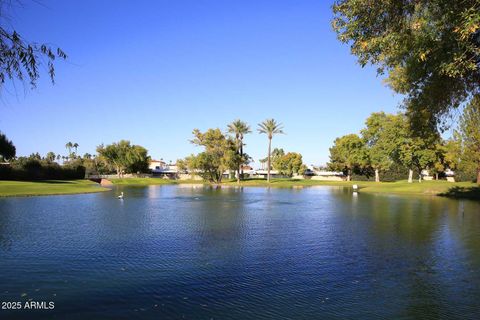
{"points": [[53, 181], [462, 193]]}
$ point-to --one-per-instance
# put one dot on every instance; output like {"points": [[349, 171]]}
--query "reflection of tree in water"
{"points": [[412, 219], [464, 223], [417, 243]]}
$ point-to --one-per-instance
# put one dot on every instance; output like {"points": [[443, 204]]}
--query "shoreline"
{"points": [[455, 190], [10, 188]]}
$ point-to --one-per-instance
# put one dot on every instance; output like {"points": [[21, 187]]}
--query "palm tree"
{"points": [[75, 146], [69, 147], [270, 127], [239, 129]]}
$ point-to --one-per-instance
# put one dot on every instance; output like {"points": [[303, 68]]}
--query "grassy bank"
{"points": [[444, 188], [50, 187]]}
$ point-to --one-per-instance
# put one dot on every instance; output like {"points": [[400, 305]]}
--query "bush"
{"points": [[36, 170]]}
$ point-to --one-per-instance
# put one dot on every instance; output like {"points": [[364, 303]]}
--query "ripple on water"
{"points": [[250, 253]]}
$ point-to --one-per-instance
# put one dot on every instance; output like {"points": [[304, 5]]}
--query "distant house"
{"points": [[449, 175], [327, 176], [263, 173], [248, 171], [156, 165]]}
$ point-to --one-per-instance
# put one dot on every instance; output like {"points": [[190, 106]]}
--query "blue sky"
{"points": [[152, 71]]}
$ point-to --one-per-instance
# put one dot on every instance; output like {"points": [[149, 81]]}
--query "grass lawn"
{"points": [[443, 188], [49, 187]]}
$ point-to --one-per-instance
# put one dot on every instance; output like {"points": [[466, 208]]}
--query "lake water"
{"points": [[173, 252]]}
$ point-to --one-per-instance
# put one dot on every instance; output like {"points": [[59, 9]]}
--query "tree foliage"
{"points": [[386, 142], [347, 153], [21, 59], [124, 157], [379, 136], [469, 134], [220, 154], [288, 164], [429, 49], [7, 149]]}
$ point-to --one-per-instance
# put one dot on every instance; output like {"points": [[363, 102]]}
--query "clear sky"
{"points": [[151, 71]]}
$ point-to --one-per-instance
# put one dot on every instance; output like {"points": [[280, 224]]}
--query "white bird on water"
{"points": [[120, 196], [355, 187]]}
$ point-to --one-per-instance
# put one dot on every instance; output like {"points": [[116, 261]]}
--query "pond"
{"points": [[193, 252]]}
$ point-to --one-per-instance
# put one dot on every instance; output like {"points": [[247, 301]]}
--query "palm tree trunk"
{"points": [[240, 173], [268, 162]]}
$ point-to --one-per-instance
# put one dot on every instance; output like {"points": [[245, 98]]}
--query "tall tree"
{"points": [[239, 129], [470, 133], [69, 146], [379, 136], [429, 49], [270, 127], [347, 153], [124, 156], [220, 154], [7, 149], [289, 164], [75, 146]]}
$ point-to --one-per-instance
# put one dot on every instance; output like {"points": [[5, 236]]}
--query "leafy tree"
{"points": [[239, 129], [270, 127], [347, 153], [379, 135], [289, 164], [469, 130], [138, 160], [124, 157], [275, 154], [429, 49], [220, 154], [7, 149], [440, 164], [21, 59], [453, 151]]}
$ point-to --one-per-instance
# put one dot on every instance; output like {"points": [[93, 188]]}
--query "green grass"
{"points": [[50, 187], [442, 188]]}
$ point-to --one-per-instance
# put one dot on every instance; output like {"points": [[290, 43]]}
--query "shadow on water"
{"points": [[463, 193]]}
